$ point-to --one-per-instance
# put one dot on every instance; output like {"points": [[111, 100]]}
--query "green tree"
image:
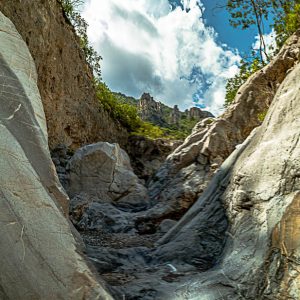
{"points": [[126, 114], [246, 13], [287, 20]]}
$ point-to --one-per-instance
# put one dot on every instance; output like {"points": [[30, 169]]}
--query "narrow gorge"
{"points": [[92, 209]]}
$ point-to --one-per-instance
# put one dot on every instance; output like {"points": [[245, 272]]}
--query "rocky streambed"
{"points": [[108, 206]]}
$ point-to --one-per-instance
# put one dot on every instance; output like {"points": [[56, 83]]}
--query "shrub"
{"points": [[126, 114]]}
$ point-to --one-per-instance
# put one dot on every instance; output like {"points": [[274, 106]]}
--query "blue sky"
{"points": [[167, 48], [234, 37]]}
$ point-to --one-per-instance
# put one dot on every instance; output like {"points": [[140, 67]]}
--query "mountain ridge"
{"points": [[164, 116]]}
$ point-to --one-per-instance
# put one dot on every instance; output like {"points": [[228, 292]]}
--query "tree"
{"points": [[246, 13]]}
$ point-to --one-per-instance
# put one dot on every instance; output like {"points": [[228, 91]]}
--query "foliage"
{"points": [[70, 10], [246, 13], [247, 68], [287, 21], [149, 130], [126, 114], [262, 116]]}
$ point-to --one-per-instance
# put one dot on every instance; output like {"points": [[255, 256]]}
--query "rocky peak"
{"points": [[175, 115], [150, 110], [163, 115], [148, 102], [197, 113]]}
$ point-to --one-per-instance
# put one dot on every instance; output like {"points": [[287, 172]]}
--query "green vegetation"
{"points": [[166, 130], [125, 113], [287, 21], [73, 16], [247, 68], [262, 116], [246, 13], [124, 109]]}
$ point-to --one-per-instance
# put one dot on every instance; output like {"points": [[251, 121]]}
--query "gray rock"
{"points": [[104, 217], [166, 225], [259, 190], [40, 258], [148, 155], [103, 172], [213, 140]]}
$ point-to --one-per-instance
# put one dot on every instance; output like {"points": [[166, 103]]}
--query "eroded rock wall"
{"points": [[188, 170], [148, 155], [74, 116], [261, 203], [39, 256]]}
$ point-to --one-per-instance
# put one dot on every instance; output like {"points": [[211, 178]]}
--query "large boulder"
{"points": [[39, 256], [103, 188]]}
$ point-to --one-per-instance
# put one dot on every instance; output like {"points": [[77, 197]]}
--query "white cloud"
{"points": [[147, 47], [270, 42]]}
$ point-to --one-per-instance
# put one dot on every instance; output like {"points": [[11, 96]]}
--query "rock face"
{"points": [[188, 170], [175, 115], [101, 181], [261, 202], [150, 110], [148, 155], [240, 240], [73, 113], [40, 258], [163, 115], [197, 113]]}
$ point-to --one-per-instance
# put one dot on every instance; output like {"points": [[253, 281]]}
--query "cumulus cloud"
{"points": [[167, 50], [270, 42]]}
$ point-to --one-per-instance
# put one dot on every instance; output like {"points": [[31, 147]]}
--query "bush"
{"points": [[126, 114]]}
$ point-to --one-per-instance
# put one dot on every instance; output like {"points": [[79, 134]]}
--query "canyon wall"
{"points": [[40, 258], [187, 171], [74, 115]]}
